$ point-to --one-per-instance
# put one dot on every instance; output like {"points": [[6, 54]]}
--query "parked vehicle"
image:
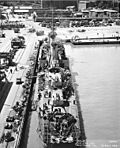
{"points": [[40, 33], [2, 35], [19, 81], [32, 30], [16, 30], [18, 42]]}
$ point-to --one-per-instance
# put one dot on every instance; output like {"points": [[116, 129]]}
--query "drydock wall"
{"points": [[29, 100]]}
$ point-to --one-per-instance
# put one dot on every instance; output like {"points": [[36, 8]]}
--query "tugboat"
{"points": [[60, 118]]}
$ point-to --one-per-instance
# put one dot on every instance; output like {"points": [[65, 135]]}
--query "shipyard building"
{"points": [[58, 4]]}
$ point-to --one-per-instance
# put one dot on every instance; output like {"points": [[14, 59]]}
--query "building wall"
{"points": [[37, 0], [58, 4], [81, 5], [46, 3]]}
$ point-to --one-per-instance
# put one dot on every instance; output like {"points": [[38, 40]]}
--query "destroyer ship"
{"points": [[60, 118]]}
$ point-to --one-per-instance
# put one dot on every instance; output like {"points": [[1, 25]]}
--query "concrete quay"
{"points": [[15, 94]]}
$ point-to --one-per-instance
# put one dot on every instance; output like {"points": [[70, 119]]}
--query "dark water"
{"points": [[97, 73]]}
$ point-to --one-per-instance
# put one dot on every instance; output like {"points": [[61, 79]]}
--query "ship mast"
{"points": [[52, 36], [1, 19], [52, 21], [52, 27], [41, 4]]}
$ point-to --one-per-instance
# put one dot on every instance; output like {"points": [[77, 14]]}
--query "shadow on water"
{"points": [[4, 91], [25, 134], [26, 127]]}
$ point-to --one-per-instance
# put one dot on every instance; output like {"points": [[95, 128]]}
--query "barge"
{"points": [[60, 117], [76, 40]]}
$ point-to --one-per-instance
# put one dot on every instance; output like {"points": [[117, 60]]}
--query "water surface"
{"points": [[97, 73]]}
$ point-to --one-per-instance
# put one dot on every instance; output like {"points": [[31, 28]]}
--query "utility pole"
{"points": [[77, 5], [1, 19], [113, 3], [118, 7], [41, 4]]}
